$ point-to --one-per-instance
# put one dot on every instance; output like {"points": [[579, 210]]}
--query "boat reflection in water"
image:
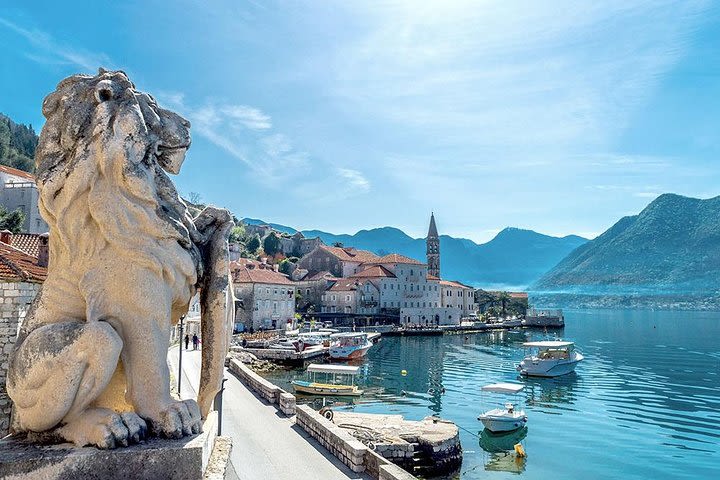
{"points": [[500, 448]]}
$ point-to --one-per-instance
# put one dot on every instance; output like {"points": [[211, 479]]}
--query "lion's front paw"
{"points": [[104, 428], [178, 419]]}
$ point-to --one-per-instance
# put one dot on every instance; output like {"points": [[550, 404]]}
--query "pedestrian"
{"points": [[187, 340], [196, 340]]}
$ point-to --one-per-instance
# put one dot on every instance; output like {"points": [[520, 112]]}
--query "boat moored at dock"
{"points": [[551, 358], [504, 419], [348, 346], [330, 383]]}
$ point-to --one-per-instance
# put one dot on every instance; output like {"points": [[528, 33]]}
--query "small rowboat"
{"points": [[332, 384]]}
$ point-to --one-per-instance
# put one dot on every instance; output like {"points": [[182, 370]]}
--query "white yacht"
{"points": [[549, 359], [504, 419]]}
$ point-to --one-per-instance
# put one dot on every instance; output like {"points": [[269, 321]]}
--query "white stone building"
{"points": [[458, 297], [18, 191], [267, 298]]}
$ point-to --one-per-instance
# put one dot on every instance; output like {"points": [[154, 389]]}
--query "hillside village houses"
{"points": [[345, 281]]}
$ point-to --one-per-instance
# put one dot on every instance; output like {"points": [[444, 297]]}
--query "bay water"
{"points": [[645, 403]]}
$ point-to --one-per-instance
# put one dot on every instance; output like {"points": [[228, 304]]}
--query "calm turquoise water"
{"points": [[645, 403]]}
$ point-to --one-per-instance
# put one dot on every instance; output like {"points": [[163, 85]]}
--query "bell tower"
{"points": [[433, 248]]}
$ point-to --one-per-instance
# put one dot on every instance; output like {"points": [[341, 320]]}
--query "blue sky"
{"points": [[560, 117]]}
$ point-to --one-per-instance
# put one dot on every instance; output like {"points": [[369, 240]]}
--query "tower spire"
{"points": [[433, 248]]}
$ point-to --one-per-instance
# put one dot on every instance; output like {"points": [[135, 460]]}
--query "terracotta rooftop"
{"points": [[397, 258], [18, 266], [27, 242], [350, 254], [16, 172], [376, 271], [449, 283], [344, 285], [321, 275], [259, 275], [432, 277]]}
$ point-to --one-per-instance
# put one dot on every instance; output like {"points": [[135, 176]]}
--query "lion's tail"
{"points": [[217, 304]]}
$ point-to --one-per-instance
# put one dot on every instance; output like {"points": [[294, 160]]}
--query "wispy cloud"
{"points": [[47, 50], [354, 179], [246, 134]]}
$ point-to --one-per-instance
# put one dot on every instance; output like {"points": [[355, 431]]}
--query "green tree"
{"points": [[12, 221], [285, 266], [237, 234], [271, 244], [253, 244]]}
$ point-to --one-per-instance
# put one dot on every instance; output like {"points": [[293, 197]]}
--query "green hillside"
{"points": [[17, 144]]}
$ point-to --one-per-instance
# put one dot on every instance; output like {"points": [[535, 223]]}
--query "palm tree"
{"points": [[504, 299]]}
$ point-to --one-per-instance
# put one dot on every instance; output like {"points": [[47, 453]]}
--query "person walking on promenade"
{"points": [[196, 340], [187, 340]]}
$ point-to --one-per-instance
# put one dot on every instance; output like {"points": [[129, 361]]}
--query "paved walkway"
{"points": [[266, 444]]}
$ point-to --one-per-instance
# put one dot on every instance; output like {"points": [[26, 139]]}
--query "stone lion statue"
{"points": [[126, 257]]}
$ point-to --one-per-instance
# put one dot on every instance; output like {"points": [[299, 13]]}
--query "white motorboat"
{"points": [[308, 339], [504, 419], [349, 346], [550, 358]]}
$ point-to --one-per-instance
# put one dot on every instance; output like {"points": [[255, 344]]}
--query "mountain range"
{"points": [[672, 247], [513, 259]]}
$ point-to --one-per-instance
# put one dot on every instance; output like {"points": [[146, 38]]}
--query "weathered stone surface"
{"points": [[184, 458], [125, 259]]}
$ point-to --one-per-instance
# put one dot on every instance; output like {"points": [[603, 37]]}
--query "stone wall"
{"points": [[347, 448], [15, 299], [267, 390]]}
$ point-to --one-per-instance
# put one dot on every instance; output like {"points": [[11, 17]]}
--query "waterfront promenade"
{"points": [[266, 443]]}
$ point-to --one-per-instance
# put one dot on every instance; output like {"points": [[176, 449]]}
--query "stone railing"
{"points": [[347, 448], [267, 390]]}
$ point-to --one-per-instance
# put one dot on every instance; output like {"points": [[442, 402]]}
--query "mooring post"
{"points": [[218, 405], [180, 343]]}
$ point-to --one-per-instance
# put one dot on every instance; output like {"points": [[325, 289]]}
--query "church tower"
{"points": [[433, 248]]}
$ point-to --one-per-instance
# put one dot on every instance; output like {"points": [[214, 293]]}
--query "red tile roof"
{"points": [[324, 275], [432, 277], [344, 285], [397, 258], [259, 275], [27, 242], [375, 271], [349, 254], [16, 172], [449, 283], [18, 266]]}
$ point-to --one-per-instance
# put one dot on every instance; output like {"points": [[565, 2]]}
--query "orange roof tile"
{"points": [[27, 242], [397, 258], [432, 277], [349, 254], [344, 285], [375, 271], [259, 275], [18, 266], [449, 283], [16, 172]]}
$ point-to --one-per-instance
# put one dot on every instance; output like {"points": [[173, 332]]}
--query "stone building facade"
{"points": [[297, 245], [20, 279], [267, 298]]}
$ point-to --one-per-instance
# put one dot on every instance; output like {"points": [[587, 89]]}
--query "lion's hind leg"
{"points": [[56, 374]]}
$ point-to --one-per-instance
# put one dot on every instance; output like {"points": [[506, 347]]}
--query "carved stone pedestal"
{"points": [[186, 458]]}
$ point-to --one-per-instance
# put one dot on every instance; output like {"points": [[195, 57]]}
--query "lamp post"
{"points": [[182, 317]]}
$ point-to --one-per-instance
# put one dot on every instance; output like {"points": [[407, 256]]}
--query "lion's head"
{"points": [[101, 165]]}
